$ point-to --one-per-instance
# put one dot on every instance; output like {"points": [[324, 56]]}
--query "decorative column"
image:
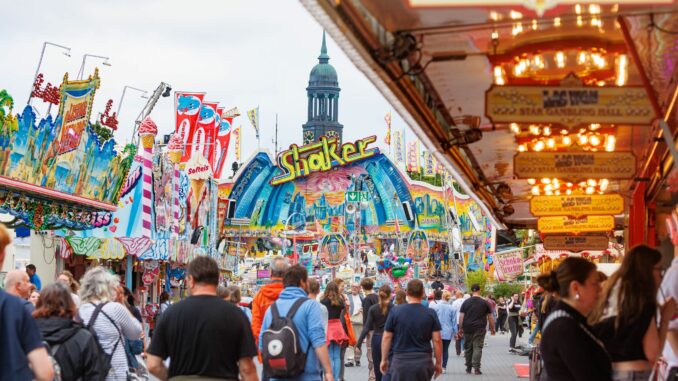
{"points": [[147, 132]]}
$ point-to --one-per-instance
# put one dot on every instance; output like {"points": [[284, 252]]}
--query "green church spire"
{"points": [[323, 58]]}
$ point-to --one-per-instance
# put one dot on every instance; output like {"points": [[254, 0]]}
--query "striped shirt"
{"points": [[108, 334]]}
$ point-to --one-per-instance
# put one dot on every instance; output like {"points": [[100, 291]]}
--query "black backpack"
{"points": [[104, 359], [282, 354]]}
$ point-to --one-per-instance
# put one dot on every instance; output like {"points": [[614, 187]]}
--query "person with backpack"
{"points": [[70, 345], [103, 313], [292, 339], [205, 336]]}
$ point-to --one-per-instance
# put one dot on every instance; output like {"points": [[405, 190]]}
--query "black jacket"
{"points": [[77, 355]]}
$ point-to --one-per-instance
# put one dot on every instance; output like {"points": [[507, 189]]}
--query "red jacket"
{"points": [[262, 300]]}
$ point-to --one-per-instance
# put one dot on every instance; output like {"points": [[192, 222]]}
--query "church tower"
{"points": [[323, 101]]}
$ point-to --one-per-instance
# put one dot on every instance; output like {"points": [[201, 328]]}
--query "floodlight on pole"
{"points": [[84, 59], [66, 52], [124, 90]]}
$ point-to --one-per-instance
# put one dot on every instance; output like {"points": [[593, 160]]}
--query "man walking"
{"points": [[268, 294], [33, 277], [370, 299], [411, 327], [447, 321], [456, 306], [474, 315], [308, 322], [17, 283], [205, 336], [355, 311], [22, 354]]}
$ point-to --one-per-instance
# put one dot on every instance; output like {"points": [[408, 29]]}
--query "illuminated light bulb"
{"points": [[535, 190], [514, 128], [539, 146], [595, 140], [568, 192], [600, 83], [546, 180], [546, 131], [551, 143], [591, 182], [567, 140], [494, 16], [534, 24], [531, 181], [549, 193], [556, 22], [495, 35], [564, 131], [538, 61], [560, 59], [577, 9], [594, 126], [580, 21], [499, 76], [582, 57], [582, 184], [610, 143], [515, 15], [557, 193], [534, 130], [603, 184], [569, 185], [594, 9], [522, 148], [583, 139], [615, 8], [556, 183], [517, 28], [590, 190], [622, 70], [548, 188]]}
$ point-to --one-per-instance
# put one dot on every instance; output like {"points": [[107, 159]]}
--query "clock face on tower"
{"points": [[308, 137], [332, 134]]}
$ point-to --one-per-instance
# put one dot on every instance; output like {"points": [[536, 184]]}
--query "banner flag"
{"points": [[399, 148], [253, 114], [236, 136], [223, 140], [203, 138], [429, 164], [413, 156], [187, 107], [214, 148], [387, 118]]}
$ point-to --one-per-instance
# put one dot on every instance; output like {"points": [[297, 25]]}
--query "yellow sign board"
{"points": [[575, 165], [576, 243], [568, 105], [577, 205], [562, 224]]}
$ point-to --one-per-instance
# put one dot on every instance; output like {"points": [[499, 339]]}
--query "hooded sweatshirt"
{"points": [[309, 323], [262, 300], [77, 353]]}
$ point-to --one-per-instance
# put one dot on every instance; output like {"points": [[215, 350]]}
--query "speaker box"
{"points": [[408, 211], [231, 209]]}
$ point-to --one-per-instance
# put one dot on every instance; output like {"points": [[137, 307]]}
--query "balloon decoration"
{"points": [[396, 267]]}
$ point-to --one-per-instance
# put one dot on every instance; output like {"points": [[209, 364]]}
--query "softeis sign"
{"points": [[298, 162]]}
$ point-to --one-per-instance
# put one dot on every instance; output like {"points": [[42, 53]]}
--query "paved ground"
{"points": [[497, 363]]}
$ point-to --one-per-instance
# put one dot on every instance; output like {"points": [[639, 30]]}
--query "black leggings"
{"points": [[514, 322], [499, 325], [376, 354]]}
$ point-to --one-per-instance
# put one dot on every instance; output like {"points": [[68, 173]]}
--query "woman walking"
{"points": [[102, 309], [376, 319], [501, 316], [625, 320], [570, 350], [513, 308], [336, 335], [72, 346]]}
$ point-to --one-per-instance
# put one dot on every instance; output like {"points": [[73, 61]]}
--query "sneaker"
{"points": [[348, 365], [357, 363], [444, 370], [478, 372], [468, 370]]}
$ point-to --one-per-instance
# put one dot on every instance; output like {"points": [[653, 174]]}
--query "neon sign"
{"points": [[321, 156]]}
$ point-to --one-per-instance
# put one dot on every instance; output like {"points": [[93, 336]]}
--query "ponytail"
{"points": [[384, 298]]}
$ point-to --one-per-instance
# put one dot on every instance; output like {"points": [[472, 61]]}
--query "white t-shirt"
{"points": [[357, 304], [670, 290]]}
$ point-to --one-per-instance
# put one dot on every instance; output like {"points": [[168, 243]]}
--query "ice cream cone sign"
{"points": [[199, 171], [175, 148]]}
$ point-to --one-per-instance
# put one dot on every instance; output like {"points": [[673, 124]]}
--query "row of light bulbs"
{"points": [[555, 187], [588, 141]]}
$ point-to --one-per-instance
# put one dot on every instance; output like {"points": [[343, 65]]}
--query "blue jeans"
{"points": [[533, 335], [335, 359]]}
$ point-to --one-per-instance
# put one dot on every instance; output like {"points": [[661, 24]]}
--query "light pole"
{"points": [[287, 223], [122, 97], [84, 58], [66, 52]]}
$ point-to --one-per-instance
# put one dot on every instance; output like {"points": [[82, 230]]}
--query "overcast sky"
{"points": [[242, 53]]}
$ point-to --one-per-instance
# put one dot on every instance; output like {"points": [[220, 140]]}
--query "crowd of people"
{"points": [[591, 328]]}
